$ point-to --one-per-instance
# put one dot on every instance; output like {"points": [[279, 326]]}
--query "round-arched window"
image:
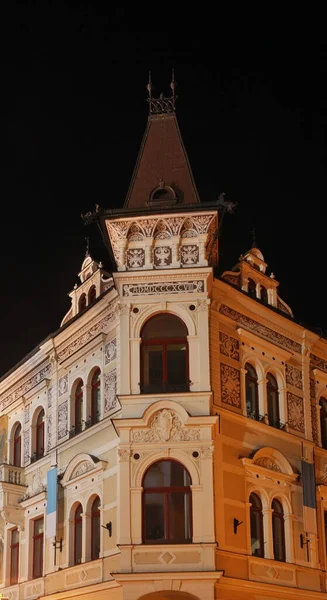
{"points": [[95, 529], [323, 422], [95, 397], [39, 445], [167, 514], [17, 453], [278, 530], [256, 525], [164, 355], [251, 390], [78, 530], [273, 401]]}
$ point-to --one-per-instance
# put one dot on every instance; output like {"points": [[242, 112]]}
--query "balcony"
{"points": [[11, 474], [277, 424]]}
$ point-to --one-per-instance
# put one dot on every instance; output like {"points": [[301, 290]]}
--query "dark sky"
{"points": [[252, 111]]}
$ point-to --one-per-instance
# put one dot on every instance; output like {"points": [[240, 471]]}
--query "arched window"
{"points": [[164, 355], [273, 401], [251, 390], [95, 397], [323, 422], [256, 525], [278, 530], [17, 453], [39, 438], [167, 514], [252, 288], [78, 530], [82, 303], [264, 295], [79, 407], [95, 529], [92, 294]]}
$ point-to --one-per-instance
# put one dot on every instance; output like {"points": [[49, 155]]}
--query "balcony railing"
{"points": [[11, 474], [277, 424]]}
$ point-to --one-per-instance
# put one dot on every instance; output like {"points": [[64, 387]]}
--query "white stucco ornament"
{"points": [[166, 425]]}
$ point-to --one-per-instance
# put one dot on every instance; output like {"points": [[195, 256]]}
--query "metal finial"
{"points": [[87, 251], [254, 241], [172, 83], [162, 104]]}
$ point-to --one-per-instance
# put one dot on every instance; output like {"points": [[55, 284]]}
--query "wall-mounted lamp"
{"points": [[236, 524], [108, 526], [304, 540]]}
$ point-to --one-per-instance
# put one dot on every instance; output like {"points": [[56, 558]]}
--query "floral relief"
{"points": [[27, 412], [268, 463], [49, 432], [260, 330], [230, 385], [135, 258], [229, 346], [295, 412], [62, 420], [28, 383], [165, 426], [294, 376], [190, 254], [162, 256], [26, 447], [318, 362], [50, 396], [110, 385]]}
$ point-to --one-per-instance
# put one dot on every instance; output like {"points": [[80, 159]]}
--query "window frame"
{"points": [[78, 407], [95, 515], [14, 551], [39, 433], [272, 387], [17, 446], [258, 510], [249, 377], [39, 538], [164, 342], [78, 522], [275, 515], [167, 491], [95, 397]]}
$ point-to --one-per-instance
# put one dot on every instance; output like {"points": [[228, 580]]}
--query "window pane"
{"points": [[179, 517], [14, 557], [176, 365], [166, 473], [95, 533], [255, 534], [153, 367], [154, 508], [38, 548], [251, 398], [164, 326], [78, 542]]}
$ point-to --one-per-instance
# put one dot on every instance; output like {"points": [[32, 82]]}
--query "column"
{"points": [[267, 533]]}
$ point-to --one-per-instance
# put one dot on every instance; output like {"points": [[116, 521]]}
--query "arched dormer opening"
{"points": [[164, 355], [92, 295], [252, 288], [82, 303], [264, 294]]}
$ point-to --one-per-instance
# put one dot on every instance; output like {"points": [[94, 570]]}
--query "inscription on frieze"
{"points": [[160, 287]]}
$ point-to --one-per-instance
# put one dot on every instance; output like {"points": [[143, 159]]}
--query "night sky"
{"points": [[252, 112]]}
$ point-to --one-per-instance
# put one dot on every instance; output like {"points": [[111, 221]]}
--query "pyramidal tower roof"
{"points": [[162, 174]]}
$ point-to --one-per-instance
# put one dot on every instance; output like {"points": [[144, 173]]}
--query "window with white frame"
{"points": [[17, 446]]}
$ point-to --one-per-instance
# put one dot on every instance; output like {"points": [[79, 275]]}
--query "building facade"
{"points": [[169, 440]]}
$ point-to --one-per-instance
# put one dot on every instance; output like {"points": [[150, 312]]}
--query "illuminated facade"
{"points": [[162, 443]]}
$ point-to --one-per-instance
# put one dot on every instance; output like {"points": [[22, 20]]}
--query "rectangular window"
{"points": [[14, 556], [38, 532], [325, 526]]}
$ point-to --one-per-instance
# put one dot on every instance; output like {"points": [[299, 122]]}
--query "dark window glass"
{"points": [[79, 407], [167, 513], [325, 525], [82, 303], [252, 288], [38, 548], [17, 446], [14, 557], [92, 294], [264, 295], [256, 525], [78, 535], [278, 530], [95, 397], [323, 422], [39, 446], [273, 401], [95, 529], [164, 355], [251, 389]]}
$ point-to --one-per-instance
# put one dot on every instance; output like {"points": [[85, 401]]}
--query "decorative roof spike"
{"points": [[87, 250], [163, 104], [254, 241]]}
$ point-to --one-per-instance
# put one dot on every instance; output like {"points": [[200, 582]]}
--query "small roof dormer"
{"points": [[250, 275], [94, 281]]}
